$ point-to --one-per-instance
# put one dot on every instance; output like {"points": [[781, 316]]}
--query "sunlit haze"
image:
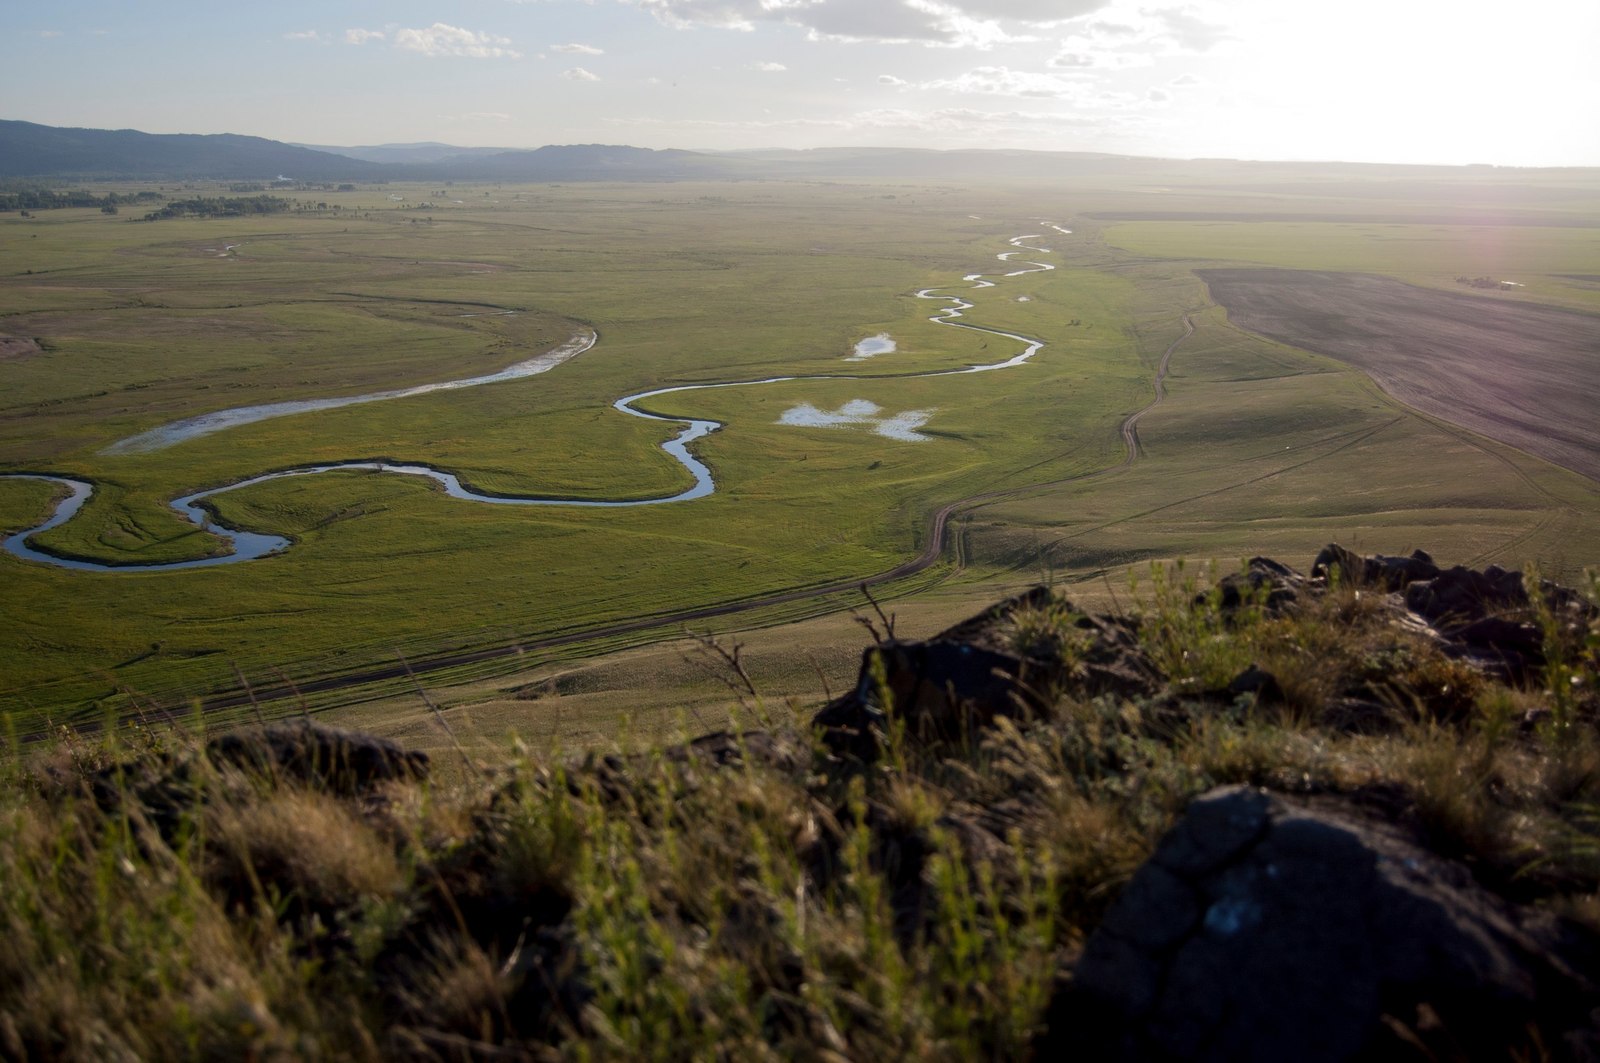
{"points": [[1367, 80]]}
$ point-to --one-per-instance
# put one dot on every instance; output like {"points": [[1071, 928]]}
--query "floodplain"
{"points": [[1258, 445]]}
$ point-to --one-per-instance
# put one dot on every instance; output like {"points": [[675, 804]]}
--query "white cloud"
{"points": [[1107, 29], [727, 14], [905, 22], [1074, 59], [303, 35], [440, 39], [49, 33], [578, 73], [1191, 33], [1003, 81], [1137, 38], [890, 79], [577, 49], [946, 23], [1144, 34], [768, 68], [362, 36], [476, 116], [1037, 12]]}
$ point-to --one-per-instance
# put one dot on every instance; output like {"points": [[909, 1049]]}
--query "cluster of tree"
{"points": [[50, 198], [220, 207], [284, 184], [1485, 282]]}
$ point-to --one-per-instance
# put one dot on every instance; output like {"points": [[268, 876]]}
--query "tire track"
{"points": [[1556, 510], [1130, 427]]}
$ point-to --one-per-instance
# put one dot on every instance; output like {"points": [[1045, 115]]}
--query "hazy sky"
{"points": [[1450, 81]]}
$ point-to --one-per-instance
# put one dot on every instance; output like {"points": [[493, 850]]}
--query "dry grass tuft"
{"points": [[750, 899]]}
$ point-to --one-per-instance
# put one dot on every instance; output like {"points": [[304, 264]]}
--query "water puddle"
{"points": [[872, 346], [860, 413]]}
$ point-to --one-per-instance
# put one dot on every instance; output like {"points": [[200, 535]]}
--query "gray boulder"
{"points": [[1263, 929], [952, 686]]}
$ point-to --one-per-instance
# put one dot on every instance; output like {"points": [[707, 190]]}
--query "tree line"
{"points": [[50, 198], [220, 207]]}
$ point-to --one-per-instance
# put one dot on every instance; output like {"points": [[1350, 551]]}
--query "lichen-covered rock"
{"points": [[1271, 583], [1264, 929], [1337, 564], [985, 668]]}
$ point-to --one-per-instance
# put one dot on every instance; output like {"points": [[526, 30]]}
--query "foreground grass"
{"points": [[749, 896]]}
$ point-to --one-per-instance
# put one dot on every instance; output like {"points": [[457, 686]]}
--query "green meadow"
{"points": [[1256, 448]]}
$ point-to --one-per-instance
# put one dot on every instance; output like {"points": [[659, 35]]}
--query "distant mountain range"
{"points": [[28, 150], [406, 154], [37, 152]]}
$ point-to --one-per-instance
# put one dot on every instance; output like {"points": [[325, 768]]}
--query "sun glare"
{"points": [[1425, 82]]}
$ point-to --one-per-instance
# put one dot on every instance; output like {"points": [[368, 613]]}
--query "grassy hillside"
{"points": [[762, 893]]}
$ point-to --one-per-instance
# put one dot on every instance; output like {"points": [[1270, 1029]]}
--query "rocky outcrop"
{"points": [[345, 762], [1005, 662], [1487, 617], [995, 665], [1265, 928], [169, 788], [1336, 564], [1273, 584]]}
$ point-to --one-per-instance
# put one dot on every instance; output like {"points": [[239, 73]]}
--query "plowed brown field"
{"points": [[1519, 373]]}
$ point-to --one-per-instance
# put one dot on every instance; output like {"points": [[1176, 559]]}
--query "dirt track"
{"points": [[1519, 373]]}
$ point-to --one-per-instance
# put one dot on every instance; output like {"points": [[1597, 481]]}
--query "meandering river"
{"points": [[247, 545]]}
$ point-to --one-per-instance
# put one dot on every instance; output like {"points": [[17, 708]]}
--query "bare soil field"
{"points": [[1352, 217], [17, 347], [1518, 373]]}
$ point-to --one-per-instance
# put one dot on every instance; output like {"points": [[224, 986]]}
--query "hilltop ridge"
{"points": [[31, 150], [1320, 815]]}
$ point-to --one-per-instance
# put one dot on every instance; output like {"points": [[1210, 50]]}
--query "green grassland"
{"points": [[696, 289], [1257, 447]]}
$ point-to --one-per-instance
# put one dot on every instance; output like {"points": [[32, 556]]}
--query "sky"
{"points": [[1419, 81]]}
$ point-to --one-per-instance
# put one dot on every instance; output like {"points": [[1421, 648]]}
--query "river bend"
{"points": [[248, 546]]}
